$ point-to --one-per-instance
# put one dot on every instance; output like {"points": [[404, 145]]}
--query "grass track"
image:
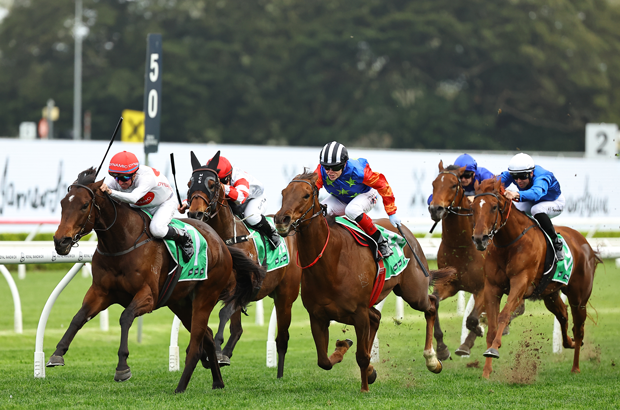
{"points": [[522, 378]]}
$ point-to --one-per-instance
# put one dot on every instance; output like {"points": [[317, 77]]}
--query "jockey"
{"points": [[472, 174], [539, 194], [245, 197], [146, 188], [353, 189]]}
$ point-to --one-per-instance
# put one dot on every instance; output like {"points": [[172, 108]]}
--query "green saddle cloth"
{"points": [[564, 268], [196, 268], [276, 258], [395, 263]]}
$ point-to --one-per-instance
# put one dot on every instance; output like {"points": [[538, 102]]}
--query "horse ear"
{"points": [[498, 185], [195, 162], [214, 162], [461, 170], [313, 178], [440, 165], [476, 186]]}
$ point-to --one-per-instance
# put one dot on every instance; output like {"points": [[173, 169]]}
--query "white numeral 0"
{"points": [[152, 103]]}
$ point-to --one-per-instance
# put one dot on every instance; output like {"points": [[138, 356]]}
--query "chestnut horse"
{"points": [[130, 268], [339, 275], [514, 265], [208, 203], [451, 206]]}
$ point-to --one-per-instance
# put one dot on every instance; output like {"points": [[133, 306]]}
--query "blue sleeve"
{"points": [[506, 179], [539, 188], [430, 198], [484, 173]]}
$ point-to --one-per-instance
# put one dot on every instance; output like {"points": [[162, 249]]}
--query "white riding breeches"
{"points": [[254, 209], [361, 204], [162, 215], [551, 208]]}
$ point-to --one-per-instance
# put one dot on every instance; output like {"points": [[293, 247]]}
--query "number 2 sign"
{"points": [[601, 140]]}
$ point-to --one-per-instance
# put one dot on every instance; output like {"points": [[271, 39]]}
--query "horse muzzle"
{"points": [[283, 224], [437, 212], [481, 241], [63, 246], [196, 215]]}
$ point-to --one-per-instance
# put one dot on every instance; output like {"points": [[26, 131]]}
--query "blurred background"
{"points": [[427, 74]]}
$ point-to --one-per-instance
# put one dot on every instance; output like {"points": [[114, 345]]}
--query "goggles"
{"points": [[122, 178], [468, 174], [333, 167], [521, 175]]}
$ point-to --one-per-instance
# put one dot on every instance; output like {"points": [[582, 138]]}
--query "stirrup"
{"points": [[558, 245]]}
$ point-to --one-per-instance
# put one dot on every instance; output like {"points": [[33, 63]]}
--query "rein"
{"points": [[93, 204], [500, 214], [455, 210], [135, 244]]}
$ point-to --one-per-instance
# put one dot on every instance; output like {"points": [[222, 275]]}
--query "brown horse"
{"points": [[131, 268], [208, 203], [339, 278], [514, 265], [451, 206]]}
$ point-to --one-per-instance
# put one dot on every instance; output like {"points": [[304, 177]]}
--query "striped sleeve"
{"points": [[319, 181], [377, 181], [239, 191]]}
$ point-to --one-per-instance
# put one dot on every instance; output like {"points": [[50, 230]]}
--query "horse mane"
{"points": [[306, 175], [452, 168], [87, 177]]}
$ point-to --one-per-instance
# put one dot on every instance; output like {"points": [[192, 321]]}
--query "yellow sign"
{"points": [[55, 113], [132, 129]]}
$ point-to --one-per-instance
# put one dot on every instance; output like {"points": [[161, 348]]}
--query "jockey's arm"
{"points": [[239, 191], [537, 191], [142, 186], [377, 181], [319, 181]]}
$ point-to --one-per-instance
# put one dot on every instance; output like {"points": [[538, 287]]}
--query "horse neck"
{"points": [[223, 222], [123, 232], [457, 229], [311, 239], [516, 223]]}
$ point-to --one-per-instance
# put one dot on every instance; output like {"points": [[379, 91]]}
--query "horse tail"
{"points": [[442, 277], [249, 278]]}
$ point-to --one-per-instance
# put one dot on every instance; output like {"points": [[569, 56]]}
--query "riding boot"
{"points": [[382, 244], [265, 229], [545, 223], [183, 240], [369, 227]]}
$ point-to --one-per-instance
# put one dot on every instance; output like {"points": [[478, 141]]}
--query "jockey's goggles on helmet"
{"points": [[520, 175], [122, 177], [333, 167], [468, 174]]}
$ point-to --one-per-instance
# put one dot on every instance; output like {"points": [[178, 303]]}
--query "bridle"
{"points": [[499, 215], [201, 185], [93, 204], [456, 210], [322, 208]]}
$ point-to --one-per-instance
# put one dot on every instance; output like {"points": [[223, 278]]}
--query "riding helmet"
{"points": [[124, 163], [521, 163], [224, 167], [466, 161], [334, 154]]}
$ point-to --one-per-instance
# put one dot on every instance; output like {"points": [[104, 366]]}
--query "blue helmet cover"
{"points": [[467, 161]]}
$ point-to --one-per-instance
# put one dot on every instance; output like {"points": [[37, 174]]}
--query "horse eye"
{"points": [[494, 209], [454, 186], [306, 196], [85, 206]]}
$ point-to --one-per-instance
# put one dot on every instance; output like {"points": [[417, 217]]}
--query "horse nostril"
{"points": [[286, 220], [485, 238]]}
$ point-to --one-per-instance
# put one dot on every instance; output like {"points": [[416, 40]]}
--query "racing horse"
{"points": [[451, 206], [207, 202], [514, 265], [131, 268], [338, 278]]}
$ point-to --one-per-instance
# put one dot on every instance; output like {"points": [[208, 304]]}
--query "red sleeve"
{"points": [[377, 181], [239, 191], [319, 181]]}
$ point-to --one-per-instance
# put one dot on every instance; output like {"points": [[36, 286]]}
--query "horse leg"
{"points": [[472, 323], [142, 303], [492, 297], [320, 334], [283, 314], [430, 356], [201, 339], [225, 315], [236, 330], [443, 353], [364, 344], [375, 319], [518, 312], [91, 306], [579, 318], [556, 306]]}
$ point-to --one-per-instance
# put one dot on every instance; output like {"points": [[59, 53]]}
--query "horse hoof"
{"points": [[123, 375], [223, 360], [492, 353], [55, 361], [463, 350], [439, 367], [443, 354], [506, 331], [372, 377], [349, 342]]}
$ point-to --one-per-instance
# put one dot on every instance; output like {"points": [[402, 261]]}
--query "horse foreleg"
{"points": [[443, 353], [364, 344], [492, 298], [579, 318], [91, 306], [375, 319], [430, 356], [142, 303], [320, 334], [283, 316], [225, 315], [556, 306], [236, 330]]}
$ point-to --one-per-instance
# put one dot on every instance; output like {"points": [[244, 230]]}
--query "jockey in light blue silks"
{"points": [[539, 194], [472, 174], [353, 189]]}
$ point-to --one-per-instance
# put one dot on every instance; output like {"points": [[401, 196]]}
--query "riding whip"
{"points": [[109, 146], [414, 254], [174, 175]]}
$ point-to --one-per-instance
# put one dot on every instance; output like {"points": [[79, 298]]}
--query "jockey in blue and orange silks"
{"points": [[353, 189]]}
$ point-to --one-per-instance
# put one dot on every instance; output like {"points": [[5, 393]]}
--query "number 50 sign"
{"points": [[601, 140], [152, 93]]}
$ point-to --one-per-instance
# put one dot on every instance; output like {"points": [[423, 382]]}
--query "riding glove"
{"points": [[395, 220]]}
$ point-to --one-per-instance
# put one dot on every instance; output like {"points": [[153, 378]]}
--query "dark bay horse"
{"points": [[130, 268], [208, 203], [514, 266], [338, 278], [451, 206]]}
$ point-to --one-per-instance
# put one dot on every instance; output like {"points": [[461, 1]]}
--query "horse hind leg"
{"points": [[579, 319], [518, 312], [556, 306], [443, 353], [432, 363]]}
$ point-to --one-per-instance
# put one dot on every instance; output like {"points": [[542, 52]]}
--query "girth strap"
{"points": [[237, 239]]}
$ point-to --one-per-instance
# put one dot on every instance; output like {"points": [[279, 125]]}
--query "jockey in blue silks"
{"points": [[472, 174], [353, 189], [539, 194]]}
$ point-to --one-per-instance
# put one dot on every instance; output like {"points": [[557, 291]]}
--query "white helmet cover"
{"points": [[521, 163]]}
